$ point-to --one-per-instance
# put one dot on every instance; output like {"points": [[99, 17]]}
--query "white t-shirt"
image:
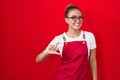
{"points": [[89, 38]]}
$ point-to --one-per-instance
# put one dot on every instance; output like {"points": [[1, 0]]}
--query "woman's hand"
{"points": [[52, 49]]}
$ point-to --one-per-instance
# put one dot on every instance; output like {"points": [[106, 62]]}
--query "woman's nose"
{"points": [[78, 20]]}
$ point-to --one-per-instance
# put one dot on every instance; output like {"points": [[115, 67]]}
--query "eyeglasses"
{"points": [[75, 18]]}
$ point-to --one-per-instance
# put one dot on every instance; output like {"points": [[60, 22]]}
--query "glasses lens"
{"points": [[75, 18], [80, 17]]}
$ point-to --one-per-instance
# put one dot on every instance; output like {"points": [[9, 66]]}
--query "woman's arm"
{"points": [[93, 63], [40, 57], [51, 49]]}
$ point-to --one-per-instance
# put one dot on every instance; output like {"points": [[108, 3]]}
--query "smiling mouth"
{"points": [[77, 24]]}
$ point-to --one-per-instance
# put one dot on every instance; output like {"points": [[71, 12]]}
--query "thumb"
{"points": [[56, 52]]}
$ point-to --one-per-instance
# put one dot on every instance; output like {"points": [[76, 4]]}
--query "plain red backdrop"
{"points": [[27, 26]]}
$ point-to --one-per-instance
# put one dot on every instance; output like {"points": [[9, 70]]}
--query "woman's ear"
{"points": [[66, 20]]}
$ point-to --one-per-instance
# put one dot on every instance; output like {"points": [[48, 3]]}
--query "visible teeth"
{"points": [[76, 24]]}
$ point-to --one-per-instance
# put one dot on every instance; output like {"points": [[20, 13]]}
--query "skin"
{"points": [[73, 32], [74, 27]]}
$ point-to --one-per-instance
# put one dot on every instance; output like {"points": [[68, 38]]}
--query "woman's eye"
{"points": [[74, 17]]}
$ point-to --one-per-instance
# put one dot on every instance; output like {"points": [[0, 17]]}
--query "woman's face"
{"points": [[74, 19]]}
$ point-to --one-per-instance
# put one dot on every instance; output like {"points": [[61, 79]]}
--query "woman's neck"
{"points": [[73, 33]]}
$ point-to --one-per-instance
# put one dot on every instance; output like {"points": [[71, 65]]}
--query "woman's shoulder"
{"points": [[59, 36], [88, 33]]}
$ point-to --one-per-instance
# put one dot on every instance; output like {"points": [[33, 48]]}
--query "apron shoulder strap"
{"points": [[64, 38], [84, 35]]}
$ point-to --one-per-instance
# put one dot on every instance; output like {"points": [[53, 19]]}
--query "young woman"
{"points": [[75, 47]]}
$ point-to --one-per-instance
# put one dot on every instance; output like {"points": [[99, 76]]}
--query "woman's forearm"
{"points": [[93, 64], [94, 69], [40, 57]]}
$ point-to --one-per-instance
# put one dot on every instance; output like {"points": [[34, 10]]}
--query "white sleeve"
{"points": [[93, 42]]}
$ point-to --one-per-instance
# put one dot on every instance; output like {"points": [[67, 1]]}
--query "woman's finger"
{"points": [[50, 47], [53, 47]]}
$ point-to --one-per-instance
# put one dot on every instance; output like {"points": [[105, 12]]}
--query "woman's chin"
{"points": [[77, 27]]}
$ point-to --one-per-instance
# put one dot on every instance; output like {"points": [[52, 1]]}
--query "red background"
{"points": [[27, 26]]}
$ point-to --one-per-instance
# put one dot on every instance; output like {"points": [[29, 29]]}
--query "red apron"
{"points": [[74, 61]]}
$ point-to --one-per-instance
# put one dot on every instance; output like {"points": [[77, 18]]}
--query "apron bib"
{"points": [[74, 61]]}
